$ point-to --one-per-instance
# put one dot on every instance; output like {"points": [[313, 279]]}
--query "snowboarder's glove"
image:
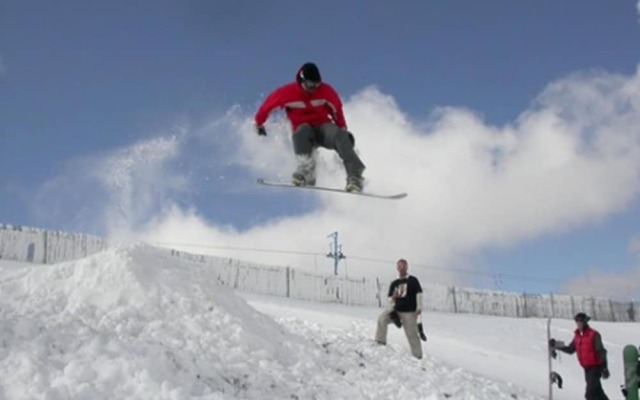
{"points": [[421, 332], [605, 373], [553, 345], [557, 344], [260, 130]]}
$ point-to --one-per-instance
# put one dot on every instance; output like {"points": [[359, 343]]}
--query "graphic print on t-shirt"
{"points": [[401, 290]]}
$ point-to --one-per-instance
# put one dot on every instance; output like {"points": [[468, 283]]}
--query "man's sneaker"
{"points": [[299, 179], [355, 184]]}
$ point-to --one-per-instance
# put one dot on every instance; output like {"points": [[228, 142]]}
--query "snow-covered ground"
{"points": [[133, 323]]}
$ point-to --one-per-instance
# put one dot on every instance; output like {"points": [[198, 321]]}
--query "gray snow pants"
{"points": [[409, 324], [594, 390], [330, 136]]}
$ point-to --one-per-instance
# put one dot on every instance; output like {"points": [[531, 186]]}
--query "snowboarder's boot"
{"points": [[305, 174], [354, 184]]}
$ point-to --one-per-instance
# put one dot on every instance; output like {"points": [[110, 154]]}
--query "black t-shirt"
{"points": [[407, 289]]}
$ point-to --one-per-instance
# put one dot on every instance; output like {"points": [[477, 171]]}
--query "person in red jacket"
{"points": [[592, 356], [315, 111]]}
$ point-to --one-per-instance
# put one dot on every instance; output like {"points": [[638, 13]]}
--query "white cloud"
{"points": [[619, 285], [634, 245], [571, 159], [638, 7]]}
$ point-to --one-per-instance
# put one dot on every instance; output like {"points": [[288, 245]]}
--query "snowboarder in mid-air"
{"points": [[314, 109]]}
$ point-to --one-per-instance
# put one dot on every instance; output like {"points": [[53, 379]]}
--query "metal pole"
{"points": [[336, 252]]}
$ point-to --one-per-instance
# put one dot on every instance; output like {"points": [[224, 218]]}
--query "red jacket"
{"points": [[586, 349], [315, 108]]}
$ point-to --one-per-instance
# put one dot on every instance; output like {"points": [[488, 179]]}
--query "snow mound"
{"points": [[128, 323], [136, 323]]}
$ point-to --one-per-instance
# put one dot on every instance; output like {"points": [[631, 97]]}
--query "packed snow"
{"points": [[135, 323]]}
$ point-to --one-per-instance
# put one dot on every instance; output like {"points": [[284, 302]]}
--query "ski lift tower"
{"points": [[336, 252]]}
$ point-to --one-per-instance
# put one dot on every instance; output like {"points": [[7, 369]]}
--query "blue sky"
{"points": [[170, 87]]}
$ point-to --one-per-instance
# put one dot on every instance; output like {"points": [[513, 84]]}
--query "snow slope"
{"points": [[134, 323], [501, 349]]}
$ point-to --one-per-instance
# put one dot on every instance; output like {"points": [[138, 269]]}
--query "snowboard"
{"points": [[267, 182], [554, 377], [631, 372]]}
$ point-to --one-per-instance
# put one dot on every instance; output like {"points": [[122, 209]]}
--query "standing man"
{"points": [[592, 356], [315, 112], [405, 298]]}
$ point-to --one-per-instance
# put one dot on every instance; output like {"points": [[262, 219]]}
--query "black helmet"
{"points": [[582, 317], [309, 72]]}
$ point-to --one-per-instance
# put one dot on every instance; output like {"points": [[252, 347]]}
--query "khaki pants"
{"points": [[410, 326]]}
